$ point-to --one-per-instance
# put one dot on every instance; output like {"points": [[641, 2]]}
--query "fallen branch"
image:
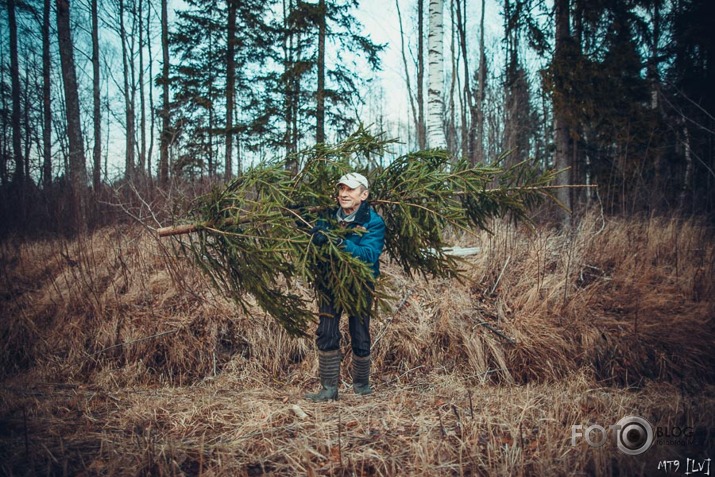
{"points": [[497, 332]]}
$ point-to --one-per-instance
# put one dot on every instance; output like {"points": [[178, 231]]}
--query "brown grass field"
{"points": [[118, 358]]}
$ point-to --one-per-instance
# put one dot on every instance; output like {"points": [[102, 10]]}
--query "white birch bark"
{"points": [[435, 76]]}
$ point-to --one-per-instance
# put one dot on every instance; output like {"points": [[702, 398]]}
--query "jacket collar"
{"points": [[362, 215]]}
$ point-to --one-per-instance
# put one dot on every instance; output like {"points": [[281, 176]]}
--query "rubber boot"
{"points": [[361, 375], [329, 368]]}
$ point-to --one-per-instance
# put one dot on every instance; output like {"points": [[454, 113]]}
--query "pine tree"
{"points": [[253, 236]]}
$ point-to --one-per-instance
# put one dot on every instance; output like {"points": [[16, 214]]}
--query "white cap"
{"points": [[353, 180]]}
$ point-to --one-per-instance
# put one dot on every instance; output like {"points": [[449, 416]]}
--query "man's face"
{"points": [[350, 199]]}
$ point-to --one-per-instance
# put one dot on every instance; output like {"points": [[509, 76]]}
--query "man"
{"points": [[366, 243]]}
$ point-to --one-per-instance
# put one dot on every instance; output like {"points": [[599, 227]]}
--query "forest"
{"points": [[99, 94], [578, 136]]}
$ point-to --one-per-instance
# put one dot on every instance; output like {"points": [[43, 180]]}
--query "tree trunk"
{"points": [[139, 16], [29, 132], [16, 115], [97, 102], [289, 80], [410, 92], [653, 78], [152, 116], [468, 106], [562, 153], [686, 185], [77, 166], [128, 99], [435, 79], [4, 152], [515, 107], [421, 123], [477, 134], [450, 116], [230, 85], [46, 98], [165, 133], [320, 95]]}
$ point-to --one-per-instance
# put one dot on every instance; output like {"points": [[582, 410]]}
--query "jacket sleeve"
{"points": [[371, 243]]}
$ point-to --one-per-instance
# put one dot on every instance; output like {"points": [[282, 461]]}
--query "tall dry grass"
{"points": [[118, 358]]}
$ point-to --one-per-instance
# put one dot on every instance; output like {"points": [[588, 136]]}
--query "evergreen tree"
{"points": [[200, 79], [690, 104], [312, 77], [253, 236], [600, 101]]}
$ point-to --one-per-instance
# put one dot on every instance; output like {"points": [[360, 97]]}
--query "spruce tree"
{"points": [[252, 237]]}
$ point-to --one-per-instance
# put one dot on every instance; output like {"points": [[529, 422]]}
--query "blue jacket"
{"points": [[369, 239]]}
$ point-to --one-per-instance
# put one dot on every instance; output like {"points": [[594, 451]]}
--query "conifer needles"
{"points": [[253, 236]]}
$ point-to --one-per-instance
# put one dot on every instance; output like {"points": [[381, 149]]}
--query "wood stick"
{"points": [[177, 230], [191, 228]]}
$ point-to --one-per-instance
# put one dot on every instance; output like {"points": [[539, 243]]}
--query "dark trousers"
{"points": [[328, 334]]}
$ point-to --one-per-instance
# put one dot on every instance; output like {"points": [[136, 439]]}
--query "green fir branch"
{"points": [[253, 236]]}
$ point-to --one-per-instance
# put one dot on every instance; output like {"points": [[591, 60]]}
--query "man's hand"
{"points": [[320, 237]]}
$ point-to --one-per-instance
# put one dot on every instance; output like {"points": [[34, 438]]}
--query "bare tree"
{"points": [[416, 104], [96, 101], [16, 115], [152, 116], [46, 98], [320, 94], [139, 18], [77, 166], [165, 111], [467, 125], [128, 92], [230, 84], [476, 138]]}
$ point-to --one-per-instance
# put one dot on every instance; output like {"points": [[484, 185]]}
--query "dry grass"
{"points": [[118, 359]]}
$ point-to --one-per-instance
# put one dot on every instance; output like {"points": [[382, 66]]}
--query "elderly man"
{"points": [[366, 244]]}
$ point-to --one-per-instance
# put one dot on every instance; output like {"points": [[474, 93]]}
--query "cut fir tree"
{"points": [[252, 238]]}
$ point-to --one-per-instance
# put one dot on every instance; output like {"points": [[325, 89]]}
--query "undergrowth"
{"points": [[118, 358]]}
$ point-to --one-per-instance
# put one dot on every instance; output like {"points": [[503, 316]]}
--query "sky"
{"points": [[381, 22]]}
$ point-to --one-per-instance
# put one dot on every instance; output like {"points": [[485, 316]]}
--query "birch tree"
{"points": [[421, 123], [435, 76]]}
